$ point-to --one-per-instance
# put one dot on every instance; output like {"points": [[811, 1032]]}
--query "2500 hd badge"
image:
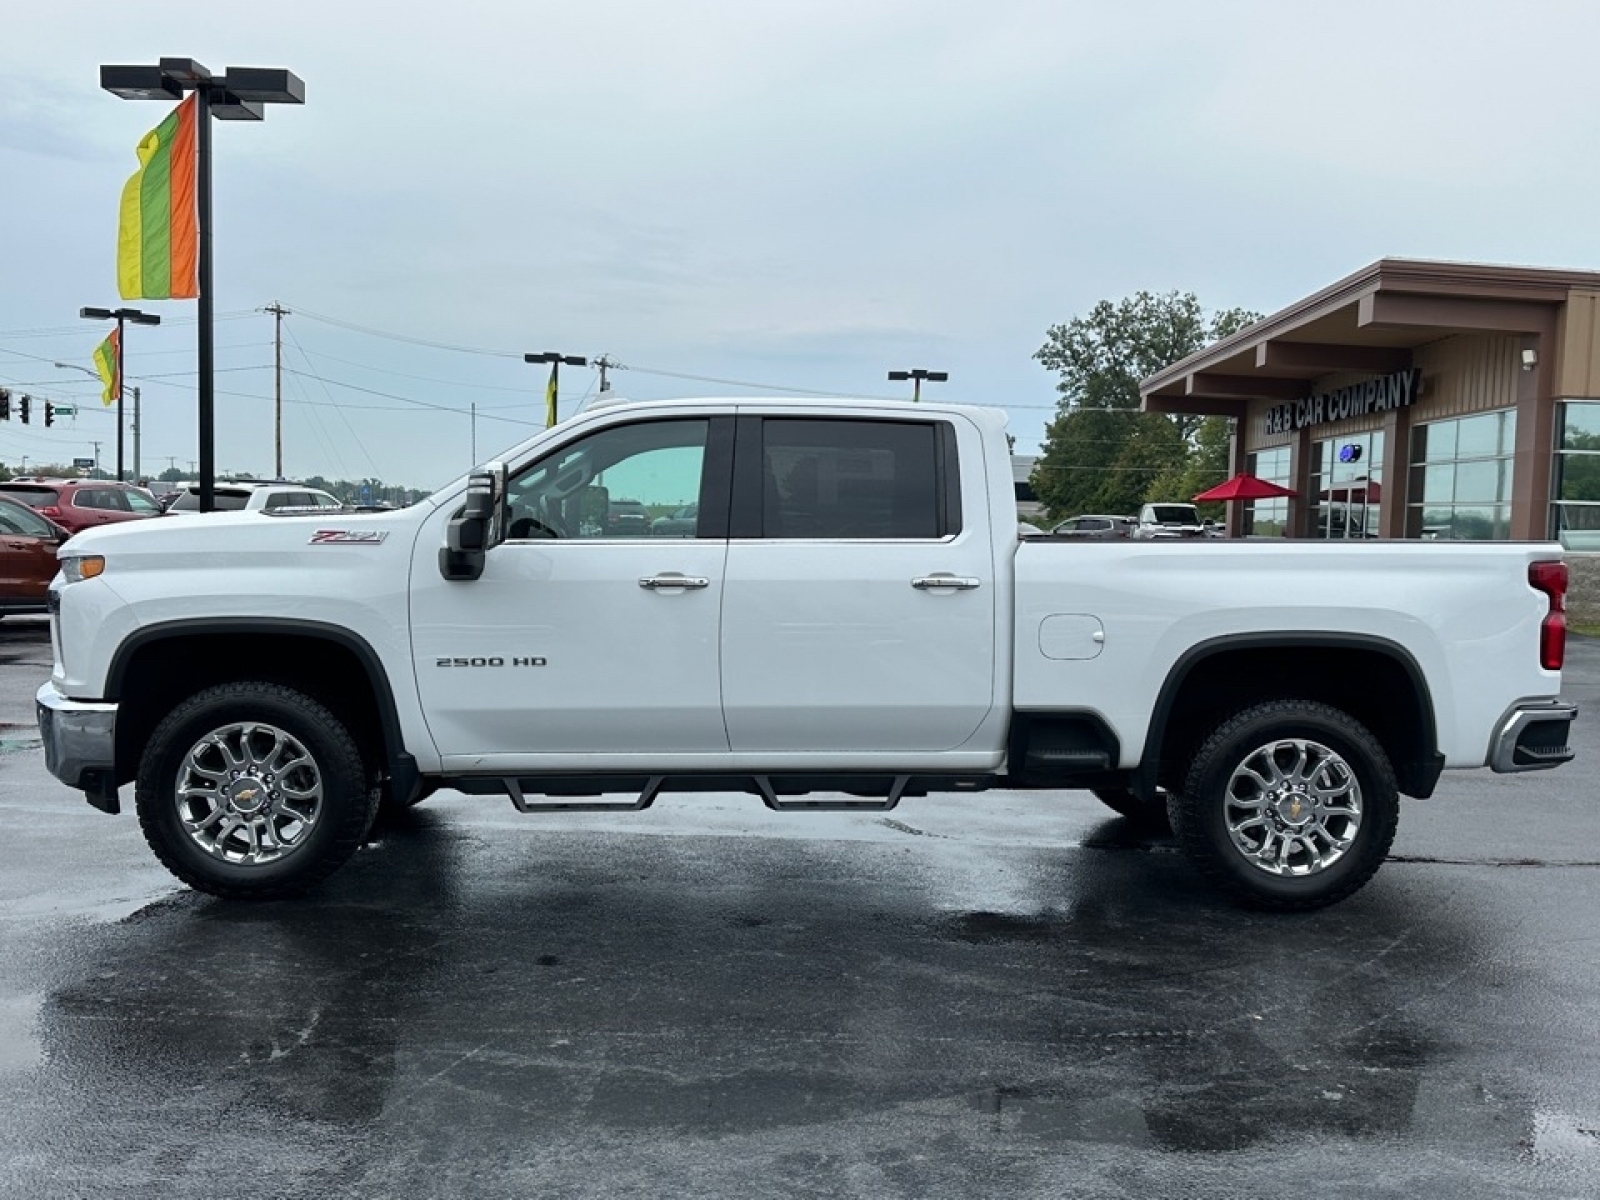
{"points": [[496, 661]]}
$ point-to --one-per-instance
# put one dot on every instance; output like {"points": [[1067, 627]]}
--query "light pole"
{"points": [[236, 95], [120, 316], [917, 374], [555, 360]]}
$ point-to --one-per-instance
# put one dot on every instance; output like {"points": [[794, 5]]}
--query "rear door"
{"points": [[27, 556], [859, 611]]}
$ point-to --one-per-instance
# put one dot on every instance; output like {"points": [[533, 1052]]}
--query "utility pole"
{"points": [[136, 435], [474, 433], [96, 446], [278, 314], [605, 362]]}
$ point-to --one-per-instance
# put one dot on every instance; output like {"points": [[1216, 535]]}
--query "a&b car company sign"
{"points": [[1375, 395]]}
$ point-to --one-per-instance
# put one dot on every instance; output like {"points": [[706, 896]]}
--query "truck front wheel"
{"points": [[1289, 805], [253, 790]]}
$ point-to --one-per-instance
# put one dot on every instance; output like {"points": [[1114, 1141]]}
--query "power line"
{"points": [[401, 337]]}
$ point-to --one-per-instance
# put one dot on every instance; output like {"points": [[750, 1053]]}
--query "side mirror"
{"points": [[471, 533]]}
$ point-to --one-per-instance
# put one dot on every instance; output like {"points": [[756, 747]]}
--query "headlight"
{"points": [[78, 567]]}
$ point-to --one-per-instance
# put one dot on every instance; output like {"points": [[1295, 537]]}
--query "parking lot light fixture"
{"points": [[555, 360], [238, 94], [917, 375], [121, 316]]}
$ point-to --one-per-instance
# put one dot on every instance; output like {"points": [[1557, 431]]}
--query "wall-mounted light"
{"points": [[1530, 359]]}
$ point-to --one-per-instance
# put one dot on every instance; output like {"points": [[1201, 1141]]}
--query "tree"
{"points": [[1101, 454], [1205, 467]]}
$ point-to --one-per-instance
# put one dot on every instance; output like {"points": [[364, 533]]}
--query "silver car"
{"points": [[1095, 526]]}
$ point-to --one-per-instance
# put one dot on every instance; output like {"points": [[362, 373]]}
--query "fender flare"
{"points": [[1422, 775], [405, 778]]}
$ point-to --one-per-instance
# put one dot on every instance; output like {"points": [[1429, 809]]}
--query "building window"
{"points": [[1575, 515], [1347, 485], [1461, 478], [1268, 518]]}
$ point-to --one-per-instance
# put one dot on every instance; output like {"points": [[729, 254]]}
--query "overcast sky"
{"points": [[796, 194]]}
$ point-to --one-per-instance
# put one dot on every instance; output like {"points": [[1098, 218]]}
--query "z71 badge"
{"points": [[347, 537]]}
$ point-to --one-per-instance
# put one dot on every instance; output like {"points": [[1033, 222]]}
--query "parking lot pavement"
{"points": [[1009, 994]]}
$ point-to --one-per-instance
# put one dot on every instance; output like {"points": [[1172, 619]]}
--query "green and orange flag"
{"points": [[157, 236], [106, 361]]}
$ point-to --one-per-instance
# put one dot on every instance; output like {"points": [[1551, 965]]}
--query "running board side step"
{"points": [[647, 797], [780, 793], [772, 800]]}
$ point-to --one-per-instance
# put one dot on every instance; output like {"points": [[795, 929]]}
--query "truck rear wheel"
{"points": [[1289, 805], [253, 790]]}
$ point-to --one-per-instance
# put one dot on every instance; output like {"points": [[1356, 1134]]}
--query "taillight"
{"points": [[50, 510], [1551, 579]]}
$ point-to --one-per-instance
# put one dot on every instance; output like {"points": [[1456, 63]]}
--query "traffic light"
{"points": [[24, 404], [49, 414], [5, 405]]}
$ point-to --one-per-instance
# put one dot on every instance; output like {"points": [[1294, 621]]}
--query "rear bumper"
{"points": [[80, 738], [1533, 737]]}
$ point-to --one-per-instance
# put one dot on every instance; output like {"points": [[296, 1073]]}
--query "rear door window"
{"points": [[857, 480]]}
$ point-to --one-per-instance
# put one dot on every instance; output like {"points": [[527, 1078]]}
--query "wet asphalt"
{"points": [[1004, 995]]}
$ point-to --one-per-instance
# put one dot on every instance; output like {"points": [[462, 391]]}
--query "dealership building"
{"points": [[1428, 400]]}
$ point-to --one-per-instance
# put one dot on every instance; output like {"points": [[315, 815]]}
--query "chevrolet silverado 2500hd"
{"points": [[851, 615]]}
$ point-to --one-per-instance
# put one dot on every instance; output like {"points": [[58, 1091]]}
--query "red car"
{"points": [[79, 504], [27, 557]]}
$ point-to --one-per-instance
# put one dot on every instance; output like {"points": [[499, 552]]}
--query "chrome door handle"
{"points": [[945, 583], [670, 580]]}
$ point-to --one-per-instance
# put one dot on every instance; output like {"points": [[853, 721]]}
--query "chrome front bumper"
{"points": [[80, 744], [1533, 737]]}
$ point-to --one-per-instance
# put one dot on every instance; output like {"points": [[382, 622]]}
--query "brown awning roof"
{"points": [[1370, 321]]}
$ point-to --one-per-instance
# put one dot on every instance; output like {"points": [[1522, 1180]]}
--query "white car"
{"points": [[255, 497], [1165, 522]]}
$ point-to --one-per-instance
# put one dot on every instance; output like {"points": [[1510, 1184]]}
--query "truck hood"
{"points": [[232, 533]]}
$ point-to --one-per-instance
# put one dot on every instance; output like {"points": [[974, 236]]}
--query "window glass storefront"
{"points": [[1347, 484], [1575, 515], [1461, 478], [1268, 518]]}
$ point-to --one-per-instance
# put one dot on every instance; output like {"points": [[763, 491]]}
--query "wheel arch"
{"points": [[160, 664], [1376, 680]]}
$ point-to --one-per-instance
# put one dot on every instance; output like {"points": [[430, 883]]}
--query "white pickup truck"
{"points": [[838, 612]]}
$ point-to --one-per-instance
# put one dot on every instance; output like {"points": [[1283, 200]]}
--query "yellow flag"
{"points": [[106, 362]]}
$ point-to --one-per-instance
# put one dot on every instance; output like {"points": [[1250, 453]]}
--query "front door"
{"points": [[593, 629], [859, 613]]}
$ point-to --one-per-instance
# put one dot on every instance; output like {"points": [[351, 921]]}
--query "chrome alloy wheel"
{"points": [[248, 793], [1293, 807]]}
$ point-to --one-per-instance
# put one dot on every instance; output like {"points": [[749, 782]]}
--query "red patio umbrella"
{"points": [[1245, 487]]}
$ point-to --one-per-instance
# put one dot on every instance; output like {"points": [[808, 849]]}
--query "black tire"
{"points": [[336, 823], [1150, 814], [1356, 765]]}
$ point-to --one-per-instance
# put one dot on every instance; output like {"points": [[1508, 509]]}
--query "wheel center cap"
{"points": [[1293, 807], [247, 795]]}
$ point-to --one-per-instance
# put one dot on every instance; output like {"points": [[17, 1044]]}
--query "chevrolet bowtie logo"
{"points": [[1294, 809], [247, 795]]}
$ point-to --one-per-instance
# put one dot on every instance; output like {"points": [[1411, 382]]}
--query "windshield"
{"points": [[223, 501], [33, 497], [1175, 514], [140, 503]]}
